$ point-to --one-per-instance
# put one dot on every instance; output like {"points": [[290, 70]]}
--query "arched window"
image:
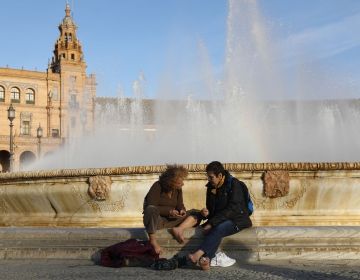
{"points": [[2, 94], [15, 95], [30, 96], [70, 37], [73, 56]]}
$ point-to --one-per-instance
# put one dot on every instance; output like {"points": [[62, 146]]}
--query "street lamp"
{"points": [[39, 134], [11, 117]]}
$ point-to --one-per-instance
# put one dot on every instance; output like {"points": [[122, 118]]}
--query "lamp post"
{"points": [[11, 117], [39, 134]]}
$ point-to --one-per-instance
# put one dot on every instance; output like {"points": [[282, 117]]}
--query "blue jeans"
{"points": [[213, 239]]}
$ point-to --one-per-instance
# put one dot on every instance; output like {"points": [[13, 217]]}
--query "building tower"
{"points": [[77, 91], [50, 106]]}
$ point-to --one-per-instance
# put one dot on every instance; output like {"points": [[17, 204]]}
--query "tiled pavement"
{"points": [[84, 269]]}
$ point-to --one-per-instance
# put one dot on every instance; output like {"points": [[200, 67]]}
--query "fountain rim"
{"points": [[156, 169]]}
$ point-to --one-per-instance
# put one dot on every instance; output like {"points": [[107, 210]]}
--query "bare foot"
{"points": [[178, 234], [156, 247], [203, 262], [192, 258]]}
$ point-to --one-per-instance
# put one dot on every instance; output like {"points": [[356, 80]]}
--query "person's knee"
{"points": [[224, 229], [151, 218], [196, 214]]}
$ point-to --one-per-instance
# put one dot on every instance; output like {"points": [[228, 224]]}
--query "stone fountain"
{"points": [[304, 210], [284, 194], [308, 209]]}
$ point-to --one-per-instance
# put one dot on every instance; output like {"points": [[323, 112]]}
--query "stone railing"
{"points": [[193, 168]]}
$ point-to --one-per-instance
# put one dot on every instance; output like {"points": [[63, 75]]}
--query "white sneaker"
{"points": [[222, 260]]}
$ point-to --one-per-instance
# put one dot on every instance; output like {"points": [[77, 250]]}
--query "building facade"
{"points": [[59, 102]]}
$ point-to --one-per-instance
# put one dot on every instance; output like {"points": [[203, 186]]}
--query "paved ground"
{"points": [[81, 269]]}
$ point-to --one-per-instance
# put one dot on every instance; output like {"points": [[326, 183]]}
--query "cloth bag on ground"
{"points": [[131, 252]]}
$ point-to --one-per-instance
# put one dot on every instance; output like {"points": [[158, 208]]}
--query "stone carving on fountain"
{"points": [[276, 183], [99, 191], [99, 187], [287, 202]]}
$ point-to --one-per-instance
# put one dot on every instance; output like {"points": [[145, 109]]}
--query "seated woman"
{"points": [[164, 207], [226, 213]]}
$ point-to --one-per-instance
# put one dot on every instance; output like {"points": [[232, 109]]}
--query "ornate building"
{"points": [[49, 106]]}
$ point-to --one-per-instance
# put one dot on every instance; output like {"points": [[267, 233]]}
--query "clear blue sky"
{"points": [[120, 38]]}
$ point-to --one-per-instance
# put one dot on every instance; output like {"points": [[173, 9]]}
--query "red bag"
{"points": [[131, 252]]}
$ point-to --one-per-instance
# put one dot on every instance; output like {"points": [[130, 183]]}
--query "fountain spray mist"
{"points": [[244, 116]]}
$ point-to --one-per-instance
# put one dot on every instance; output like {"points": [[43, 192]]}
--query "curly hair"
{"points": [[169, 177]]}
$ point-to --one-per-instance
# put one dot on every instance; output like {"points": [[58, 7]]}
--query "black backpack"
{"points": [[247, 198]]}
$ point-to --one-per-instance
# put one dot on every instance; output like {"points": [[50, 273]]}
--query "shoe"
{"points": [[222, 260], [165, 264]]}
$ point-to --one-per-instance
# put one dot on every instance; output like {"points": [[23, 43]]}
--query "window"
{"points": [[2, 94], [25, 123], [73, 122], [55, 94], [15, 95], [73, 56], [55, 133], [72, 82], [30, 96], [25, 128], [68, 37], [73, 104], [73, 98]]}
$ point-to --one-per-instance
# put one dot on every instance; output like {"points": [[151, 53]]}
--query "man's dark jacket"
{"points": [[228, 203]]}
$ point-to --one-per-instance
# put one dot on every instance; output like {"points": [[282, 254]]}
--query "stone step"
{"points": [[257, 243]]}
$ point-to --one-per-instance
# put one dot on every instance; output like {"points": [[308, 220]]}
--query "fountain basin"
{"points": [[319, 194]]}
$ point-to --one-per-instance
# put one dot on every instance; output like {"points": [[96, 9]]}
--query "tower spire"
{"points": [[67, 10], [67, 47]]}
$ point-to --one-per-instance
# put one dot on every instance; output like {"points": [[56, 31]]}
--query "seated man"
{"points": [[226, 213]]}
